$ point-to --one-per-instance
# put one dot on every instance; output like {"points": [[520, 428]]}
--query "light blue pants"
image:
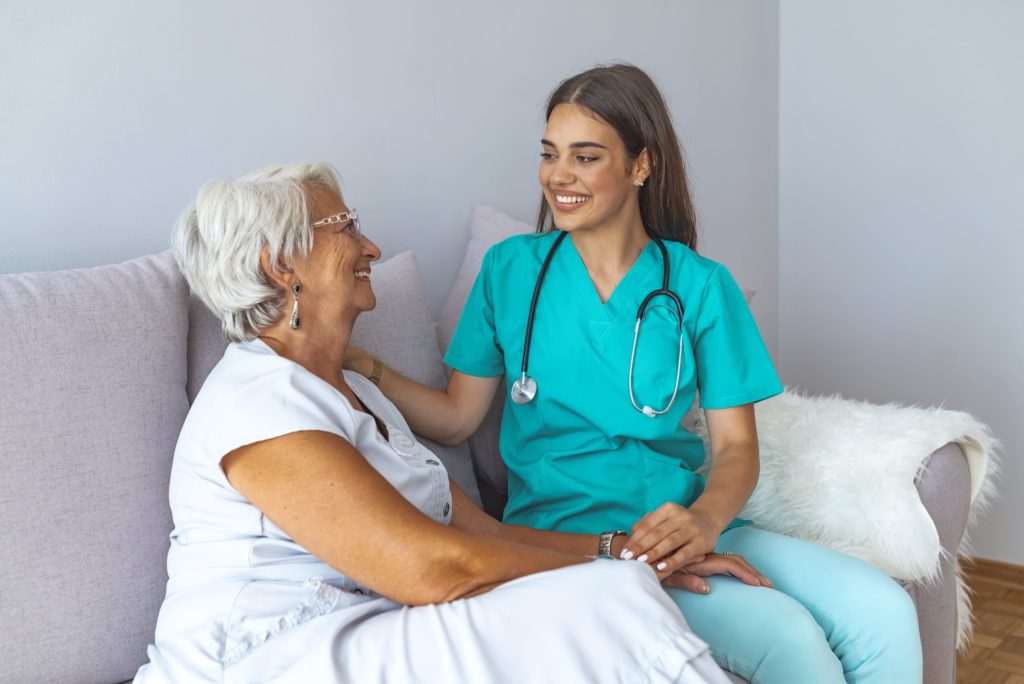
{"points": [[829, 618]]}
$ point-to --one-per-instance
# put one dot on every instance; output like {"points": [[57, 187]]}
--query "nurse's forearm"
{"points": [[734, 471], [430, 412], [447, 416]]}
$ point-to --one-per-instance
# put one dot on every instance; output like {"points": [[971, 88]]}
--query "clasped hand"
{"points": [[679, 543]]}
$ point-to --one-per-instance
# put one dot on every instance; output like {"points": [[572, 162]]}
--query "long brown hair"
{"points": [[628, 100]]}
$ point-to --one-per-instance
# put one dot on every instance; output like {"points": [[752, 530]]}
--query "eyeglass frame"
{"points": [[342, 217]]}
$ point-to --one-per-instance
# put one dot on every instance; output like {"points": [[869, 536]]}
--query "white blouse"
{"points": [[236, 580]]}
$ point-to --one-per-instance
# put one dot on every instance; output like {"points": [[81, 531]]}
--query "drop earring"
{"points": [[294, 322]]}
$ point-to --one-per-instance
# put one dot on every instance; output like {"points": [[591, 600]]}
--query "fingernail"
{"points": [[626, 554], [706, 588], [643, 558], [662, 565]]}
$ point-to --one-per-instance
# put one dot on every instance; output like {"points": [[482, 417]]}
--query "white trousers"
{"points": [[605, 621]]}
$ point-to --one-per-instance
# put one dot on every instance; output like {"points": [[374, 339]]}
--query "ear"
{"points": [[283, 279], [642, 165]]}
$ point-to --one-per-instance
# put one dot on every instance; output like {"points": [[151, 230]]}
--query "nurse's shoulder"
{"points": [[690, 270], [524, 252]]}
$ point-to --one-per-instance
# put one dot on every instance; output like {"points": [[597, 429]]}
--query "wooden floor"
{"points": [[997, 654]]}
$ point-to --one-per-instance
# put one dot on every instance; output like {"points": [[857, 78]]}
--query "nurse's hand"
{"points": [[358, 360], [672, 534], [691, 577]]}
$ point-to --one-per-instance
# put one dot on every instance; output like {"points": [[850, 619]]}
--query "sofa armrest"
{"points": [[944, 486]]}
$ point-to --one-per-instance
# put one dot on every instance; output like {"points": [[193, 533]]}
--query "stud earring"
{"points": [[294, 322], [638, 183]]}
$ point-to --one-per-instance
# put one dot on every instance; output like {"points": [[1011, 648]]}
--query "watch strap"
{"points": [[604, 544]]}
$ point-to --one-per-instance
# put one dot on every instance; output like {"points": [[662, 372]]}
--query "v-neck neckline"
{"points": [[382, 427], [604, 312]]}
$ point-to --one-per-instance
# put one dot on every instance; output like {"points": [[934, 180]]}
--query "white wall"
{"points": [[901, 214], [112, 114]]}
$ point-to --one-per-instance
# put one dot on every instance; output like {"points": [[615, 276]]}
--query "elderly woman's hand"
{"points": [[691, 577]]}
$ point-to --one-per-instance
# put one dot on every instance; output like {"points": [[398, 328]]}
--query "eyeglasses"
{"points": [[349, 217]]}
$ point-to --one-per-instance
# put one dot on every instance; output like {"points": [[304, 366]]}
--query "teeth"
{"points": [[362, 274], [571, 199]]}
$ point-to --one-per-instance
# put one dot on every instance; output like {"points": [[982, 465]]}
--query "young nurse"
{"points": [[591, 433]]}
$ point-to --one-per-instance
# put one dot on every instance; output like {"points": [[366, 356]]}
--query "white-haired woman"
{"points": [[315, 540]]}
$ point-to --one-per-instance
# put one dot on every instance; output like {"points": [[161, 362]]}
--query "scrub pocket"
{"points": [[668, 480]]}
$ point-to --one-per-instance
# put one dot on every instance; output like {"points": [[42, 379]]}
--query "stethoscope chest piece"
{"points": [[524, 389]]}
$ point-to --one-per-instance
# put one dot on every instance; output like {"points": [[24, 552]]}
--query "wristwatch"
{"points": [[604, 546]]}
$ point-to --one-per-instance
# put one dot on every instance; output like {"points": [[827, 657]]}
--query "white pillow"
{"points": [[400, 332]]}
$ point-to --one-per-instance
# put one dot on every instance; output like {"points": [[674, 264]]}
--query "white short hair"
{"points": [[218, 240]]}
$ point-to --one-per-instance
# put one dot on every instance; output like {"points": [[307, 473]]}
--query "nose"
{"points": [[370, 249], [561, 171]]}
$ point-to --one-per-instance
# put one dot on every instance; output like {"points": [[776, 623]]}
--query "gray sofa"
{"points": [[98, 367]]}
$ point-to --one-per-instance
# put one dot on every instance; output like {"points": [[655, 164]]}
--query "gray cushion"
{"points": [[94, 396], [487, 227], [401, 333]]}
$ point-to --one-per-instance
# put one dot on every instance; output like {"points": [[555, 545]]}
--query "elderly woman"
{"points": [[312, 543]]}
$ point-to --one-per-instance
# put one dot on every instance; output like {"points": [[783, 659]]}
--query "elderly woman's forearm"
{"points": [[476, 565]]}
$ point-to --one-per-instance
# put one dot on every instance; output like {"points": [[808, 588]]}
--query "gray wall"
{"points": [[901, 214], [879, 142], [114, 113]]}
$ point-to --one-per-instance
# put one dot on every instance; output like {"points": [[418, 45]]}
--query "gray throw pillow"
{"points": [[93, 370]]}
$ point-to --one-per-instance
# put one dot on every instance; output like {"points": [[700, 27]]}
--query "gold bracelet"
{"points": [[378, 370]]}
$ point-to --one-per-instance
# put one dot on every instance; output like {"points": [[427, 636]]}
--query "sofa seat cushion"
{"points": [[93, 368]]}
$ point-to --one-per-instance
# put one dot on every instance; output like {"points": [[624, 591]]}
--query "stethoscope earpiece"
{"points": [[524, 389]]}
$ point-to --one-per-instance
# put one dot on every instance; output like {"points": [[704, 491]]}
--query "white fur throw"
{"points": [[842, 473]]}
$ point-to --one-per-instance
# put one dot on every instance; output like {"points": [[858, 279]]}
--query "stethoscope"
{"points": [[525, 388]]}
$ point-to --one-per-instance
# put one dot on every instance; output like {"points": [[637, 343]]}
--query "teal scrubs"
{"points": [[580, 457]]}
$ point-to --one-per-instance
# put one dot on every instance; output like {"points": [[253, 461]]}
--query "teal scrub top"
{"points": [[580, 458]]}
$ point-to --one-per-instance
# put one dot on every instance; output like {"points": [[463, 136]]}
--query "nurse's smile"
{"points": [[569, 201]]}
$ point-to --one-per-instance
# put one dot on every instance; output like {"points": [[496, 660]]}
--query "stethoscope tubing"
{"points": [[525, 388], [536, 296]]}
